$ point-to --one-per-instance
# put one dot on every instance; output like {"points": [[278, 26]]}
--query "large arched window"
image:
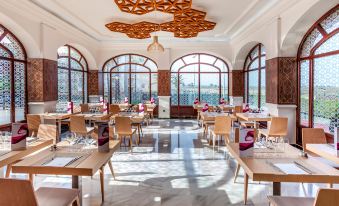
{"points": [[132, 76], [13, 61], [200, 76], [255, 77], [318, 58], [72, 76]]}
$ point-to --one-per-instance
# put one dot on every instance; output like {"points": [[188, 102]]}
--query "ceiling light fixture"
{"points": [[155, 46]]}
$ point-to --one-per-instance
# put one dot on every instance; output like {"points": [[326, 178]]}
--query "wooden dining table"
{"points": [[254, 117], [261, 167], [96, 117], [326, 151], [58, 117], [7, 158], [90, 162]]}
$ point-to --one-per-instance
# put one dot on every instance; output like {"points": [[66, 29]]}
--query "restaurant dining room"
{"points": [[169, 103]]}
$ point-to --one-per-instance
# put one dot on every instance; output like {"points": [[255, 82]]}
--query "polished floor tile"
{"points": [[173, 166]]}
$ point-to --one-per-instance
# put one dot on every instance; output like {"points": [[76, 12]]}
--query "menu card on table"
{"points": [[246, 142], [70, 108], [336, 140], [290, 168], [103, 138], [19, 135], [59, 161]]}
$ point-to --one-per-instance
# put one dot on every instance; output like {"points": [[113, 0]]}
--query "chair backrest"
{"points": [[313, 136], [114, 109], [84, 108], [16, 192], [328, 197], [237, 109], [223, 124], [210, 108], [33, 121], [78, 124], [279, 126], [47, 131], [123, 124]]}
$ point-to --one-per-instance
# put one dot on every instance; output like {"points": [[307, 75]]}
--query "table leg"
{"points": [[101, 171], [31, 178], [76, 184], [111, 168], [245, 188], [59, 129], [276, 188], [8, 170]]}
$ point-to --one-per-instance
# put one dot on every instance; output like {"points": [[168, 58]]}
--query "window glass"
{"points": [[199, 76], [12, 62], [137, 80]]}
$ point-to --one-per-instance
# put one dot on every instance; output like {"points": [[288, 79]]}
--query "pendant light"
{"points": [[155, 46]]}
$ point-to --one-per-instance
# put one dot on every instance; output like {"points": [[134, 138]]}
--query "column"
{"points": [[236, 87], [281, 90], [42, 85], [164, 93]]}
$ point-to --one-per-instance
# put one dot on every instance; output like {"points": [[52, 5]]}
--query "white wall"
{"points": [[165, 60]]}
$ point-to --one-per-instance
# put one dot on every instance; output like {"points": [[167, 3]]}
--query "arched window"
{"points": [[72, 77], [13, 61], [200, 76], [255, 77], [132, 76], [318, 59]]}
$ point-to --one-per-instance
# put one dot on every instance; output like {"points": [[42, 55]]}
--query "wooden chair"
{"points": [[221, 128], [114, 109], [150, 110], [206, 122], [33, 121], [84, 108], [325, 197], [211, 108], [78, 126], [278, 128], [313, 136], [47, 131], [147, 114], [123, 128], [16, 192]]}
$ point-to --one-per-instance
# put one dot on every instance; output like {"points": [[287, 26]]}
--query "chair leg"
{"points": [[236, 173], [111, 168], [76, 201]]}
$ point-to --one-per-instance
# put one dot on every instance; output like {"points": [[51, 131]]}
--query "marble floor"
{"points": [[173, 166]]}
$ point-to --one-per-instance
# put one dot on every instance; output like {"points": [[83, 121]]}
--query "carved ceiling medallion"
{"points": [[187, 22]]}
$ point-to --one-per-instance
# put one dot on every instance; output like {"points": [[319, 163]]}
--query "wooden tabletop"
{"points": [[58, 116], [210, 116], [259, 167], [96, 117], [13, 156], [254, 117], [88, 165], [326, 151]]}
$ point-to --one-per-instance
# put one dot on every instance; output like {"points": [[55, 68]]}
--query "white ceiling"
{"points": [[90, 16]]}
